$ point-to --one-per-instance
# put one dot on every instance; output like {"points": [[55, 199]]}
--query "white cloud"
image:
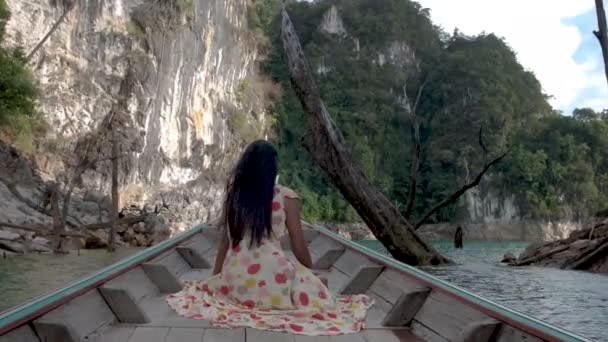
{"points": [[536, 32]]}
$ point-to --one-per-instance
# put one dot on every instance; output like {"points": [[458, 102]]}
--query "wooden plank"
{"points": [[406, 307], [162, 315], [301, 338], [224, 335], [325, 252], [335, 279], [22, 334], [173, 261], [425, 333], [401, 335], [80, 317], [447, 316], [377, 312], [309, 236], [193, 257], [115, 334], [254, 335], [508, 334], [349, 338], [390, 285], [165, 280], [196, 275], [54, 332], [351, 262], [361, 280], [124, 306], [481, 331], [149, 334], [136, 283], [185, 335], [201, 243]]}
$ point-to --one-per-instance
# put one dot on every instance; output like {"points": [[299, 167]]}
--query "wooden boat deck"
{"points": [[125, 302]]}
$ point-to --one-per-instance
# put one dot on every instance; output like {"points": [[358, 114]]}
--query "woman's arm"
{"points": [[296, 236], [221, 253]]}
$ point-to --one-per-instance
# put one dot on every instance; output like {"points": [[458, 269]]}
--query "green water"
{"points": [[576, 301], [25, 277]]}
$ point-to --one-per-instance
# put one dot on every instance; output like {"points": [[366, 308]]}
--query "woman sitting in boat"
{"points": [[254, 284]]}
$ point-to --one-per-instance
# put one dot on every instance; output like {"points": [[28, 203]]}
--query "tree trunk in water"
{"points": [[458, 237], [115, 199], [326, 146], [58, 226]]}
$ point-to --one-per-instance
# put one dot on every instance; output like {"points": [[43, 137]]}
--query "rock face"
{"points": [[585, 249], [185, 64], [496, 215], [332, 22]]}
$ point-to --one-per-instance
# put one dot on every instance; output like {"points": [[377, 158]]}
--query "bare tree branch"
{"points": [[411, 194], [61, 19], [602, 33], [39, 229], [454, 196], [115, 199], [123, 221]]}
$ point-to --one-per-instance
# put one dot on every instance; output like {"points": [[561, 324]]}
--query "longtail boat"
{"points": [[125, 302]]}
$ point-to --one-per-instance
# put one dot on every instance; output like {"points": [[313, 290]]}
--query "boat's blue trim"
{"points": [[24, 313], [501, 311]]}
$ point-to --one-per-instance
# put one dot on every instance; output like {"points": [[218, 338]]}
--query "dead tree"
{"points": [[414, 172], [327, 148], [453, 197], [602, 33], [115, 199], [67, 9]]}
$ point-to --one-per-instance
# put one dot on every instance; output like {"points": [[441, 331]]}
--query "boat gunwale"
{"points": [[35, 308], [517, 319]]}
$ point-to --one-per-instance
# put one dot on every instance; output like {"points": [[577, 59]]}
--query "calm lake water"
{"points": [[576, 301], [26, 277]]}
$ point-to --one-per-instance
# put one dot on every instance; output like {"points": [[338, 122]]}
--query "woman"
{"points": [[254, 284]]}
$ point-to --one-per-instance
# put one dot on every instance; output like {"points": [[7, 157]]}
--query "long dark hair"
{"points": [[249, 193]]}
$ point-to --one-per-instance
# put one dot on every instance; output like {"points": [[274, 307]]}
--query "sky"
{"points": [[552, 38]]}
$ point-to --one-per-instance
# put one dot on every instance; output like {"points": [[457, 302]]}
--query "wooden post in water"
{"points": [[458, 238]]}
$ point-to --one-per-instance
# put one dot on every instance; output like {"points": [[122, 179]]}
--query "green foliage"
{"points": [[5, 14], [135, 30], [559, 166], [185, 6], [470, 83], [243, 128], [18, 93]]}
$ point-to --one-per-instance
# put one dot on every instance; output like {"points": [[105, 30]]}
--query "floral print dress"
{"points": [[259, 287]]}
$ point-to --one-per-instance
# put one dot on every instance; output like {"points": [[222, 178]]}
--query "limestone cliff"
{"points": [[188, 63]]}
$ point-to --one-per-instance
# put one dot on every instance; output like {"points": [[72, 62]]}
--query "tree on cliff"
{"points": [[370, 79], [326, 146]]}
